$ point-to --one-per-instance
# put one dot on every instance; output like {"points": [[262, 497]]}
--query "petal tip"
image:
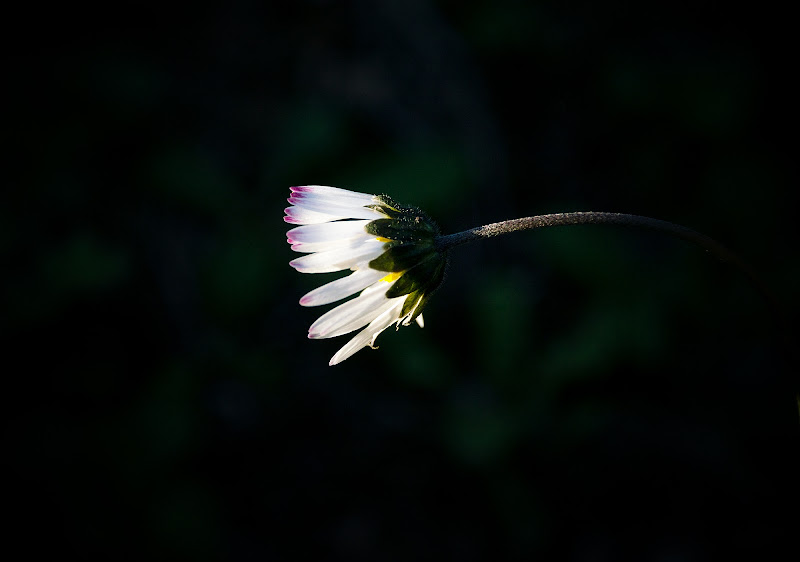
{"points": [[288, 216]]}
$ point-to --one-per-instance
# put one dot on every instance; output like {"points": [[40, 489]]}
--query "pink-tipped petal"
{"points": [[339, 230], [338, 259], [333, 192], [300, 215], [351, 211]]}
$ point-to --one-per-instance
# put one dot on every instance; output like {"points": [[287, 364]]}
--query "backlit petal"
{"points": [[341, 209], [353, 314], [334, 192], [367, 336], [342, 288], [327, 231], [339, 258]]}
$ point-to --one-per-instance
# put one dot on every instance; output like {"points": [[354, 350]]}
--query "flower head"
{"points": [[388, 247]]}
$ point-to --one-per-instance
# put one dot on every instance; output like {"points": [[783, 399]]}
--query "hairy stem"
{"points": [[620, 219], [784, 330]]}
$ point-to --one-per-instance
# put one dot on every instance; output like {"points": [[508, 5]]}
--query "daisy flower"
{"points": [[389, 249], [397, 256]]}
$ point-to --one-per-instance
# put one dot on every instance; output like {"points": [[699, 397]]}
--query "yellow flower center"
{"points": [[382, 239]]}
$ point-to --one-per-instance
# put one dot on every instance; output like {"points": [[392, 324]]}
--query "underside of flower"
{"points": [[388, 247]]}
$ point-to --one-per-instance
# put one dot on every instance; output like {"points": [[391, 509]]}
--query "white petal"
{"points": [[335, 200], [328, 236], [299, 215], [325, 190], [420, 321], [308, 247], [342, 288], [340, 258], [353, 314], [339, 207], [362, 320], [339, 230], [367, 336]]}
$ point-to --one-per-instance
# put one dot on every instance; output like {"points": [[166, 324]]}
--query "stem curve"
{"points": [[722, 253]]}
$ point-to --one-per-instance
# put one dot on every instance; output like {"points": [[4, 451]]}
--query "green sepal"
{"points": [[417, 278], [389, 207], [401, 257], [406, 229], [417, 300], [412, 218], [410, 303], [410, 249]]}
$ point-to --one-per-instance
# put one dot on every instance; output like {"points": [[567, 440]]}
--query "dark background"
{"points": [[584, 393]]}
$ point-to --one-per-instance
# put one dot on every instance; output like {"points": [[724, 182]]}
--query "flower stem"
{"points": [[620, 219], [784, 330]]}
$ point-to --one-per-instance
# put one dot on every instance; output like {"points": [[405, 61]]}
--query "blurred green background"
{"points": [[584, 393]]}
